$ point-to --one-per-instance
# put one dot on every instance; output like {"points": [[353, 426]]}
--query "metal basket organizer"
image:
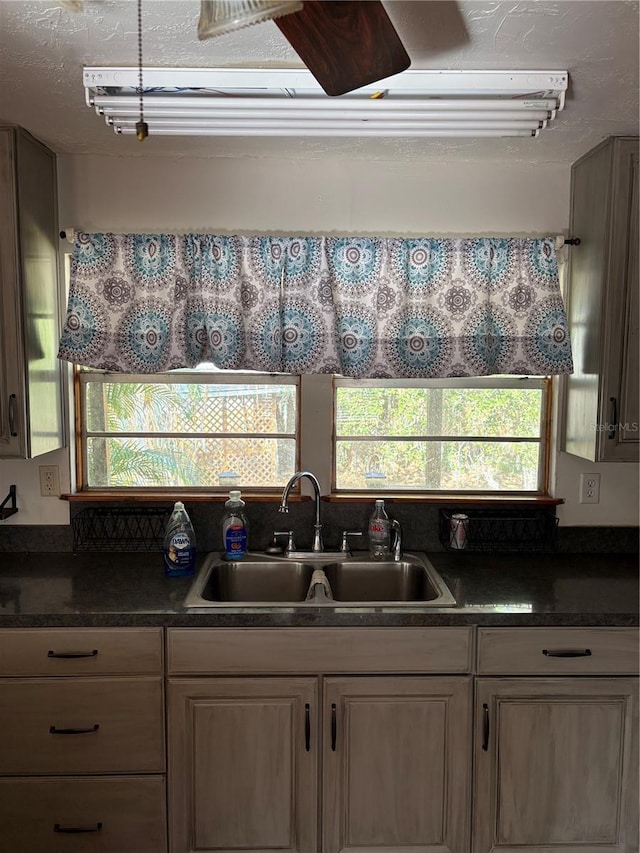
{"points": [[505, 529], [119, 529]]}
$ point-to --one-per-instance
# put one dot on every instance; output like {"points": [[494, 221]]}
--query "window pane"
{"points": [[445, 465], [490, 412], [199, 462], [191, 407]]}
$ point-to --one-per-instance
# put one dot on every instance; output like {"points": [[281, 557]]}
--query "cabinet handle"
{"points": [[567, 653], [52, 654], [613, 423], [307, 727], [59, 827], [12, 415], [54, 730], [334, 727], [485, 727]]}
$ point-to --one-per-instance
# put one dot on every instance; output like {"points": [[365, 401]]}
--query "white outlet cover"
{"points": [[590, 488]]}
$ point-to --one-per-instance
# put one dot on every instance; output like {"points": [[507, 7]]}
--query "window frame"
{"points": [[315, 431], [83, 376], [542, 383]]}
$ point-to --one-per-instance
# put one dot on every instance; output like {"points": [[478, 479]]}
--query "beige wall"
{"points": [[253, 195]]}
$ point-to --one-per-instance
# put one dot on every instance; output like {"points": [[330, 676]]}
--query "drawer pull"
{"points": [[53, 730], [485, 727], [334, 728], [59, 827], [567, 653], [52, 654], [307, 727]]}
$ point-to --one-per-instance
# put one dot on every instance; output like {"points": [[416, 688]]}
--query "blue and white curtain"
{"points": [[356, 306]]}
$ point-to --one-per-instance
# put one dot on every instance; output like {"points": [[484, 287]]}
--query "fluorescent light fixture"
{"points": [[289, 102]]}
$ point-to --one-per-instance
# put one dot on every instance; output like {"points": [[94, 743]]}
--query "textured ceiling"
{"points": [[44, 47]]}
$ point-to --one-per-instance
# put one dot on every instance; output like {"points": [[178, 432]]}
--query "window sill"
{"points": [[157, 497], [446, 499], [133, 496]]}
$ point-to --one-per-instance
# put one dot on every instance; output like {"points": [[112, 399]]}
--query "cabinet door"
{"points": [[31, 419], [556, 766], [10, 318], [601, 400], [620, 390], [397, 756], [243, 764]]}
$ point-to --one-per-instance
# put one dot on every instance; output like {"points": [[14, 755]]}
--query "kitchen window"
{"points": [[192, 429], [215, 430], [481, 435]]}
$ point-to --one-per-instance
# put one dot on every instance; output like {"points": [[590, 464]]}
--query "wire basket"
{"points": [[119, 529], [503, 530]]}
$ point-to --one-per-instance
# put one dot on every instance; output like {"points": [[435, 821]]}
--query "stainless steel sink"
{"points": [[406, 580], [252, 581], [265, 581]]}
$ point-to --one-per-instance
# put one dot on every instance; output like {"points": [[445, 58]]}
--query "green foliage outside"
{"points": [[455, 413], [453, 416], [186, 459]]}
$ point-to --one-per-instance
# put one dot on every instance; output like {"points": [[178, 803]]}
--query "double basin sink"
{"points": [[324, 580]]}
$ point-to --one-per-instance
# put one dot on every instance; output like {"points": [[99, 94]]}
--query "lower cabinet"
{"points": [[243, 757], [301, 764], [306, 740], [396, 764], [556, 741], [556, 765], [82, 752]]}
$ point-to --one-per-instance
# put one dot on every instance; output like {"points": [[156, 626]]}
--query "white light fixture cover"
{"points": [[223, 16], [289, 102]]}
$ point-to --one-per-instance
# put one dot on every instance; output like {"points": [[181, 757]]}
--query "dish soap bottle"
{"points": [[179, 544], [379, 538], [235, 528]]}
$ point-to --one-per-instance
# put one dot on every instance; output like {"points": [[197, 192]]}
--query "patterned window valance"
{"points": [[357, 306]]}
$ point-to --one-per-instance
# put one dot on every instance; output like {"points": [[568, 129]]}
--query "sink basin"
{"points": [[265, 581], [255, 581], [405, 580]]}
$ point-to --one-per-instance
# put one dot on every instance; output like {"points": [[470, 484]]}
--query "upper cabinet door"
{"points": [[556, 766], [396, 766], [602, 405], [31, 411], [623, 378]]}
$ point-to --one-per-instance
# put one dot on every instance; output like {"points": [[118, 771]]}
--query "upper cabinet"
{"points": [[31, 413], [602, 410]]}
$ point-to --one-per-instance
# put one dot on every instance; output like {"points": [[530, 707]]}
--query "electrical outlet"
{"points": [[589, 488], [49, 481]]}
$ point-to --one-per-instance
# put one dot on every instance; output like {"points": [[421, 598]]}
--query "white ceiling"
{"points": [[44, 47]]}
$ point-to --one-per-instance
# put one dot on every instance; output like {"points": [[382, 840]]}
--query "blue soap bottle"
{"points": [[235, 528]]}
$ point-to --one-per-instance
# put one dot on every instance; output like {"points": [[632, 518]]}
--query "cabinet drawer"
{"points": [[315, 651], [120, 722], [81, 651], [118, 815], [558, 651]]}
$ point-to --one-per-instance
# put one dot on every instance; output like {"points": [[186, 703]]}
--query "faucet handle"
{"points": [[290, 543], [396, 528], [345, 539]]}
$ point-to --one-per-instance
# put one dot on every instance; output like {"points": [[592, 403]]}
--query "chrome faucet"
{"points": [[396, 551], [284, 506]]}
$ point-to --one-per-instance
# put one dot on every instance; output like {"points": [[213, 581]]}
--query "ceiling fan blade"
{"points": [[345, 44]]}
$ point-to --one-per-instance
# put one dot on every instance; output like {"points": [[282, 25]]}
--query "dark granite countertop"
{"points": [[39, 589]]}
